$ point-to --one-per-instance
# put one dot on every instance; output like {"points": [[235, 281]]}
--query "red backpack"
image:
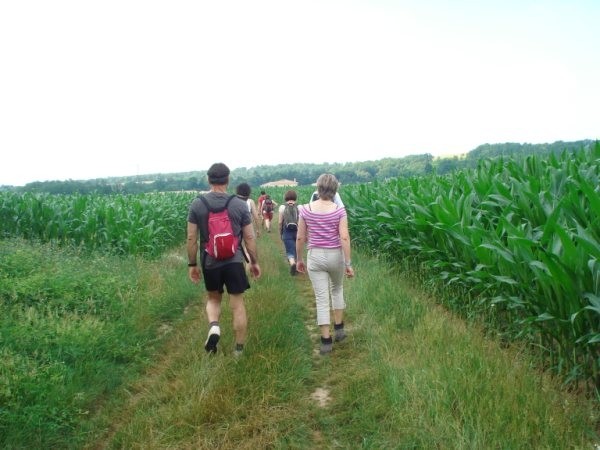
{"points": [[268, 205], [222, 243]]}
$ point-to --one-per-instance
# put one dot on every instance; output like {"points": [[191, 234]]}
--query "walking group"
{"points": [[222, 249]]}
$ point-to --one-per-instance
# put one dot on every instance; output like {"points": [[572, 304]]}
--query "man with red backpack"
{"points": [[222, 222]]}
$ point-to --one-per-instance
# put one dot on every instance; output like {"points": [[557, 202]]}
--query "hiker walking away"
{"points": [[323, 227], [261, 199], [288, 227], [336, 198], [268, 206], [243, 191], [221, 257]]}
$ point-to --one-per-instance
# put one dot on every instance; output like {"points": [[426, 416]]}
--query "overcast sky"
{"points": [[110, 88]]}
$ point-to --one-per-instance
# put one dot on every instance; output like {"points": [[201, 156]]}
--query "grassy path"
{"points": [[410, 375]]}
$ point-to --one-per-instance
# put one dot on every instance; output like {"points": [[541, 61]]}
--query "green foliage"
{"points": [[409, 375], [124, 224], [519, 237], [511, 149], [305, 174], [73, 327], [86, 373]]}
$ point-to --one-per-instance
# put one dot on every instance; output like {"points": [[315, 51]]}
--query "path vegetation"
{"points": [[103, 351], [410, 375]]}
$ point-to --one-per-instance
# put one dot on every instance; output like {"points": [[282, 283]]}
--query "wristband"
{"points": [[192, 264], [349, 264]]}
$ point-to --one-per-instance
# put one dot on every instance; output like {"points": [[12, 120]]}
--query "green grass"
{"points": [[74, 327], [410, 374]]}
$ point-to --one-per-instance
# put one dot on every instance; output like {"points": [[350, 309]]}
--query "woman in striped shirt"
{"points": [[323, 227]]}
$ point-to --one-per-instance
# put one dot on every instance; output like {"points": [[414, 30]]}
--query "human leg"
{"points": [[213, 313], [268, 218], [240, 319], [289, 241], [336, 273], [213, 306], [236, 281], [213, 282], [317, 264]]}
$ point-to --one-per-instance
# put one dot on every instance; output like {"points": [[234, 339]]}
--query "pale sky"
{"points": [[122, 87]]}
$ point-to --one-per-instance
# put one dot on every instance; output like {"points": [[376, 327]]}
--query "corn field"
{"points": [[144, 224], [514, 241], [519, 239]]}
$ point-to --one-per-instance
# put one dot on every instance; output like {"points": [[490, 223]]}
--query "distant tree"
{"points": [[362, 176], [159, 185], [192, 184], [304, 173], [447, 165]]}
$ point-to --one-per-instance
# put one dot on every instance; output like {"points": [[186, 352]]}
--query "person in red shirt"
{"points": [[261, 199], [268, 206]]}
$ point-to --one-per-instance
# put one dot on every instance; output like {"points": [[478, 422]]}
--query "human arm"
{"points": [[280, 220], [255, 217], [346, 247], [300, 244], [260, 205], [250, 244], [194, 273]]}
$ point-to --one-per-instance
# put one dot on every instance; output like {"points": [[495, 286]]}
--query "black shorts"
{"points": [[233, 276]]}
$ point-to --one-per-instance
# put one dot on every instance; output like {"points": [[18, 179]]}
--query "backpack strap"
{"points": [[215, 210], [201, 197], [226, 203]]}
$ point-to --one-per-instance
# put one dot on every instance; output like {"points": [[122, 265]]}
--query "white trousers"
{"points": [[326, 272]]}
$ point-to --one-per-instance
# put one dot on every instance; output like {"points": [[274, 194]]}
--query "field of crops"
{"points": [[514, 241], [144, 224], [517, 242], [87, 280]]}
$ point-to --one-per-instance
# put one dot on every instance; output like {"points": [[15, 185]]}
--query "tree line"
{"points": [[303, 173]]}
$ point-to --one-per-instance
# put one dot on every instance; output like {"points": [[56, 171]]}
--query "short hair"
{"points": [[218, 174], [327, 185], [243, 190], [290, 195]]}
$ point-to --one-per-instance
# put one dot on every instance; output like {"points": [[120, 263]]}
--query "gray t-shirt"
{"points": [[238, 215]]}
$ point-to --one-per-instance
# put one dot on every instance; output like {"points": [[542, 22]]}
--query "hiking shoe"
{"points": [[340, 335], [293, 270], [326, 346], [238, 351], [214, 334]]}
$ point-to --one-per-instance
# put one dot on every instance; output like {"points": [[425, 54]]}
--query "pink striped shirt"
{"points": [[323, 228]]}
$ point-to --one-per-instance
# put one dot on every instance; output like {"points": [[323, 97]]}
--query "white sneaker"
{"points": [[214, 334]]}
